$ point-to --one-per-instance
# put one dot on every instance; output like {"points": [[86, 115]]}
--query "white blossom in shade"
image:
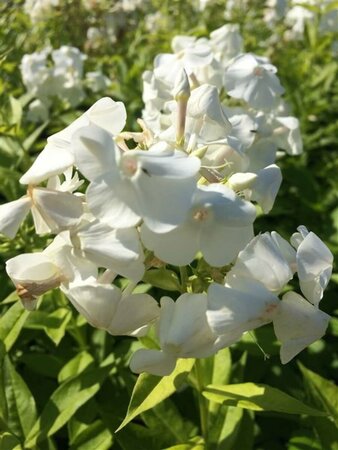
{"points": [[96, 81], [329, 21], [233, 310], [38, 10], [274, 10], [219, 224], [33, 274], [226, 42], [118, 250], [296, 18], [36, 75], [183, 332], [264, 260], [52, 211], [252, 78], [37, 111], [58, 154], [156, 185], [297, 324], [265, 187], [314, 265], [105, 306]]}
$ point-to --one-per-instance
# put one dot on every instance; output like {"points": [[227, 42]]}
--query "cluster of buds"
{"points": [[188, 187]]}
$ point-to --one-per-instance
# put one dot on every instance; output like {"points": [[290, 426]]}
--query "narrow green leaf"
{"points": [[324, 390], [9, 442], [65, 401], [54, 324], [258, 397], [75, 366], [11, 324], [94, 436], [31, 139], [16, 111], [150, 390], [20, 411]]}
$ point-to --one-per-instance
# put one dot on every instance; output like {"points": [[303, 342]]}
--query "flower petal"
{"points": [[12, 215], [152, 361]]}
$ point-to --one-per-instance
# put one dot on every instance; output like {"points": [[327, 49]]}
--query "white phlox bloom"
{"points": [[97, 81], [269, 259], [36, 75], [265, 187], [282, 130], [58, 154], [226, 42], [39, 9], [219, 224], [314, 264], [298, 324], [106, 307], [37, 111], [118, 250], [244, 306], [252, 78], [155, 185], [296, 18], [33, 274], [183, 332], [52, 211]]}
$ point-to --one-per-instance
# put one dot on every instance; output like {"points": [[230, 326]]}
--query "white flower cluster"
{"points": [[38, 10], [185, 188], [57, 73]]}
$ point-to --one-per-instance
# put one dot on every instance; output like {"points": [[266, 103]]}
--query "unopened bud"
{"points": [[241, 181], [181, 89]]}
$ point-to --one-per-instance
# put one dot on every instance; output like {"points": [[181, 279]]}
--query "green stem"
{"points": [[184, 278], [202, 401]]}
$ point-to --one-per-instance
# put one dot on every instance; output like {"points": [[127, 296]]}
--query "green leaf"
{"points": [[162, 278], [31, 139], [75, 366], [94, 436], [9, 442], [65, 401], [324, 390], [16, 111], [18, 409], [258, 397], [150, 390], [54, 324], [11, 324]]}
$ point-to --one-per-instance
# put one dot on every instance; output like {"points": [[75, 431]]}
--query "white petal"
{"points": [[40, 225], [12, 215], [108, 114], [54, 159], [114, 203], [94, 151], [152, 361], [220, 244], [298, 324], [31, 267], [132, 313], [314, 265], [266, 187], [177, 247], [245, 306], [97, 303], [60, 210]]}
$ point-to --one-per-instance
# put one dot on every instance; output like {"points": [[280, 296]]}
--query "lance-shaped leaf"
{"points": [[258, 397]]}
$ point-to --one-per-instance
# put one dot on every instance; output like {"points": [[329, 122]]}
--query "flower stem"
{"points": [[184, 278], [202, 401]]}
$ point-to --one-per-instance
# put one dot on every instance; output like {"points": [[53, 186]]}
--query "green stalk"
{"points": [[202, 402]]}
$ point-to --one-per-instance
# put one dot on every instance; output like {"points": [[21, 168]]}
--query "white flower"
{"points": [[268, 258], [219, 224], [97, 81], [58, 154], [156, 185], [226, 42], [298, 324], [314, 264], [183, 332], [52, 211], [252, 78], [105, 306], [233, 310]]}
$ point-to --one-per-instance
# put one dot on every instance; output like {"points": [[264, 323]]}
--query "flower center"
{"points": [[258, 71], [201, 214], [129, 165]]}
